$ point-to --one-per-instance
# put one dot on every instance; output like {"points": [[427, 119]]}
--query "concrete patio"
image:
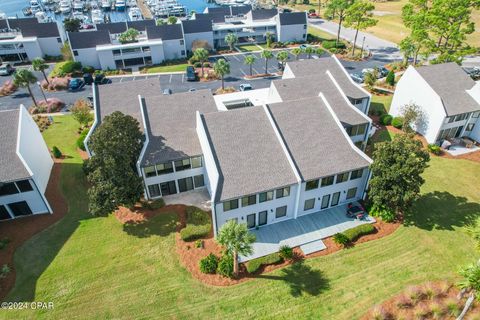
{"points": [[305, 231], [199, 198], [457, 150]]}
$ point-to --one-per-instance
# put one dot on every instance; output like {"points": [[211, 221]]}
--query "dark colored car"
{"points": [[101, 79], [88, 78], [191, 74], [76, 84], [357, 77], [382, 72]]}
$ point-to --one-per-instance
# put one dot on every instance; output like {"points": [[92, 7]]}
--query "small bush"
{"points": [[390, 80], [225, 266], [431, 291], [192, 232], [385, 214], [197, 64], [331, 44], [403, 302], [415, 294], [452, 307], [88, 69], [62, 69], [154, 204], [198, 243], [361, 230], [433, 148], [55, 84], [56, 152], [397, 122], [81, 139], [286, 252], [4, 242], [49, 106], [379, 313], [341, 239], [421, 311], [255, 264], [7, 88], [4, 271], [209, 264], [386, 119], [437, 310]]}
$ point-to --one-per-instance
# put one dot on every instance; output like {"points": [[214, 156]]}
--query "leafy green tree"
{"points": [[231, 39], [221, 68], [309, 51], [111, 171], [470, 282], [411, 114], [201, 54], [129, 36], [250, 61], [359, 16], [24, 78], [296, 52], [172, 20], [160, 22], [237, 240], [282, 57], [72, 25], [338, 9], [81, 112], [267, 55], [397, 173], [38, 64], [390, 80]]}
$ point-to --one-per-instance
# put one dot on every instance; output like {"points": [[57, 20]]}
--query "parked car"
{"points": [[6, 69], [167, 91], [357, 77], [312, 15], [474, 72], [190, 74], [101, 79], [192, 90], [381, 71], [88, 78], [76, 84], [245, 87], [304, 46]]}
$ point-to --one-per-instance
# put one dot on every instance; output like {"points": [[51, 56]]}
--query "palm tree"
{"points": [[266, 54], [24, 78], [221, 68], [268, 38], [296, 52], [250, 61], [471, 282], [39, 64], [231, 39], [282, 57], [201, 54], [237, 240], [309, 50]]}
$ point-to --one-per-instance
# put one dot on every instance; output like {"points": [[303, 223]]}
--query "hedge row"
{"points": [[198, 224], [255, 264], [358, 231]]}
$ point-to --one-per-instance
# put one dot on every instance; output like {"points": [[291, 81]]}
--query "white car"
{"points": [[245, 87]]}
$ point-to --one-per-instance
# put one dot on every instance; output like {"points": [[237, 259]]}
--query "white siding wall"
{"points": [[89, 57], [33, 150], [191, 37], [294, 32], [106, 59], [475, 134], [32, 49], [287, 72], [50, 46], [157, 54], [412, 88], [33, 198], [173, 49]]}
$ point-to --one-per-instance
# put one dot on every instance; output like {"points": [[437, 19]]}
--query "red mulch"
{"points": [[444, 292], [20, 230]]}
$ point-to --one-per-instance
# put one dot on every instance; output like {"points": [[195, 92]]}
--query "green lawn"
{"points": [[381, 103], [321, 34], [95, 268], [171, 68], [249, 48]]}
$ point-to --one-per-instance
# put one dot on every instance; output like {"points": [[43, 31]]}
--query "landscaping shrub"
{"points": [[198, 224], [42, 122], [81, 139], [341, 239], [403, 302], [7, 88], [88, 69], [225, 266], [56, 152], [331, 44], [209, 264], [433, 148], [421, 311], [390, 80], [358, 231], [56, 84], [286, 252], [452, 307], [255, 264], [4, 242], [397, 122], [379, 313], [415, 294], [197, 65], [438, 311], [4, 271], [198, 243], [386, 119], [49, 106], [157, 204], [64, 68], [385, 214]]}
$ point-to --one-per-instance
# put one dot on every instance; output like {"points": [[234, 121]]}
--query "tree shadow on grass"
{"points": [[159, 225], [443, 211], [302, 279]]}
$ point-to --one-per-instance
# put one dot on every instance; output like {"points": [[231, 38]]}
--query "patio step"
{"points": [[313, 246]]}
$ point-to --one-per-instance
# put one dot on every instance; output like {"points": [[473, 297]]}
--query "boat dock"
{"points": [[147, 14]]}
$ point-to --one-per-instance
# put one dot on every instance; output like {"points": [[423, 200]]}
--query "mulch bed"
{"points": [[21, 229]]}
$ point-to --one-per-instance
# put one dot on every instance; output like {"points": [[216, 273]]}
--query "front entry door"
{"points": [[251, 221], [262, 218], [335, 198]]}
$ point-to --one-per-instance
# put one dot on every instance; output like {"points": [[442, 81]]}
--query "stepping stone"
{"points": [[313, 246]]}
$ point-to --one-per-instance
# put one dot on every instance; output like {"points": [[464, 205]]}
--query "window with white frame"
{"points": [[309, 204], [283, 192], [356, 174], [281, 212], [342, 177], [230, 205], [327, 181], [249, 200], [265, 196], [351, 193]]}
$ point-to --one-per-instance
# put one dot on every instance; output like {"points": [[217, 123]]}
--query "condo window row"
{"points": [[170, 187], [357, 130], [454, 132], [15, 187], [261, 218], [16, 209], [173, 166], [328, 181], [119, 52], [252, 199], [325, 200], [461, 117]]}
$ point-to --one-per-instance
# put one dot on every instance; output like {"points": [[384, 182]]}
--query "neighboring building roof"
{"points": [[308, 87], [11, 167], [113, 28], [30, 27], [450, 82], [288, 18], [236, 10], [172, 124], [88, 39], [264, 14], [123, 97], [217, 17], [195, 26], [316, 142], [309, 67], [141, 25], [249, 155], [165, 32]]}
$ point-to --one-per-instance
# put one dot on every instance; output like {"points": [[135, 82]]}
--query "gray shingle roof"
{"points": [[30, 27], [450, 82], [114, 27], [141, 25], [217, 17], [309, 67], [11, 167], [264, 14], [172, 122], [288, 18], [123, 97], [195, 26], [308, 87], [316, 143], [88, 39], [236, 10], [165, 32], [248, 153]]}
